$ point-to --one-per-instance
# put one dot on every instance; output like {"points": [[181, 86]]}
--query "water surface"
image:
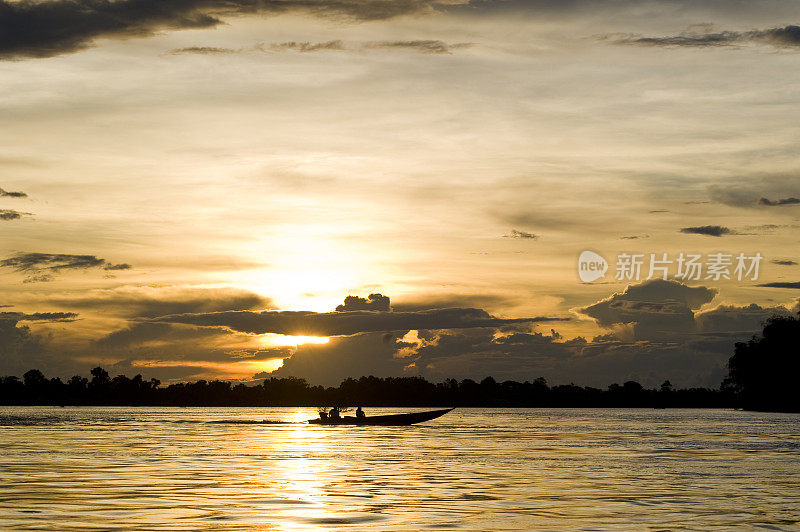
{"points": [[88, 468]]}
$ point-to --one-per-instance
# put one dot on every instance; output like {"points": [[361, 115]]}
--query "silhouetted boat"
{"points": [[387, 420]]}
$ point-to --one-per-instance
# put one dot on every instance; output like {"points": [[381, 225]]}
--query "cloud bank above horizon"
{"points": [[205, 189]]}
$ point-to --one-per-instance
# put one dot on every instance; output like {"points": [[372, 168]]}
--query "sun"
{"points": [[309, 266]]}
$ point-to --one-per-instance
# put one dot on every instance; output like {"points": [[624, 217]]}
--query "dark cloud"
{"points": [[476, 353], [765, 227], [25, 262], [150, 302], [686, 358], [170, 351], [686, 345], [504, 347], [521, 234], [656, 332], [373, 302], [784, 262], [163, 333], [20, 349], [755, 191], [38, 316], [617, 8], [306, 323], [634, 237], [782, 284], [39, 278], [659, 310], [452, 301], [117, 267], [8, 214], [466, 353], [423, 46], [670, 339], [784, 201], [528, 355], [356, 316], [654, 309], [204, 50], [329, 364], [7, 194], [186, 371], [709, 230], [741, 322], [40, 267], [304, 46], [785, 37], [288, 46], [46, 28]]}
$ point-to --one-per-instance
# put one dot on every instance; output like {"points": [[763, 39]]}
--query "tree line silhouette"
{"points": [[763, 375], [101, 389]]}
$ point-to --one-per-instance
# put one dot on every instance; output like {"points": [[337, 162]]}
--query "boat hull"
{"points": [[390, 420]]}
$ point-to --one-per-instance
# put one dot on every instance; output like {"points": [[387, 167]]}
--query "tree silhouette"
{"points": [[367, 391], [763, 372]]}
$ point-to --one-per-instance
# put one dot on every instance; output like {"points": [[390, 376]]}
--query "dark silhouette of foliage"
{"points": [[763, 373], [102, 389]]}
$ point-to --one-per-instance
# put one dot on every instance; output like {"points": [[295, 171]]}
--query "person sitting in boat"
{"points": [[360, 413], [334, 413], [323, 415]]}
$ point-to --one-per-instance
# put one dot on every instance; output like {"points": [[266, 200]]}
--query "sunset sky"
{"points": [[190, 188]]}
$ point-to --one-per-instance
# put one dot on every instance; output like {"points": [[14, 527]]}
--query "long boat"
{"points": [[387, 420]]}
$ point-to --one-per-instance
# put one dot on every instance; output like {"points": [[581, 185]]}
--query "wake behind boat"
{"points": [[386, 420]]}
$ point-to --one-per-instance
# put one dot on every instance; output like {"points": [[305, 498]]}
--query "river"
{"points": [[98, 468]]}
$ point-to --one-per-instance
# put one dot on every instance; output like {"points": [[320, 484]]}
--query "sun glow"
{"points": [[316, 290], [242, 369], [283, 340], [312, 270]]}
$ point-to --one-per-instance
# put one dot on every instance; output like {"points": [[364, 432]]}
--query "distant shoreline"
{"points": [[416, 406], [34, 389]]}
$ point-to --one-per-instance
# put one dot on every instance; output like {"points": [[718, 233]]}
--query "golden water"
{"points": [[473, 469]]}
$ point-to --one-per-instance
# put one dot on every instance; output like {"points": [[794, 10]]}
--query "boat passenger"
{"points": [[360, 413], [323, 415], [334, 413]]}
